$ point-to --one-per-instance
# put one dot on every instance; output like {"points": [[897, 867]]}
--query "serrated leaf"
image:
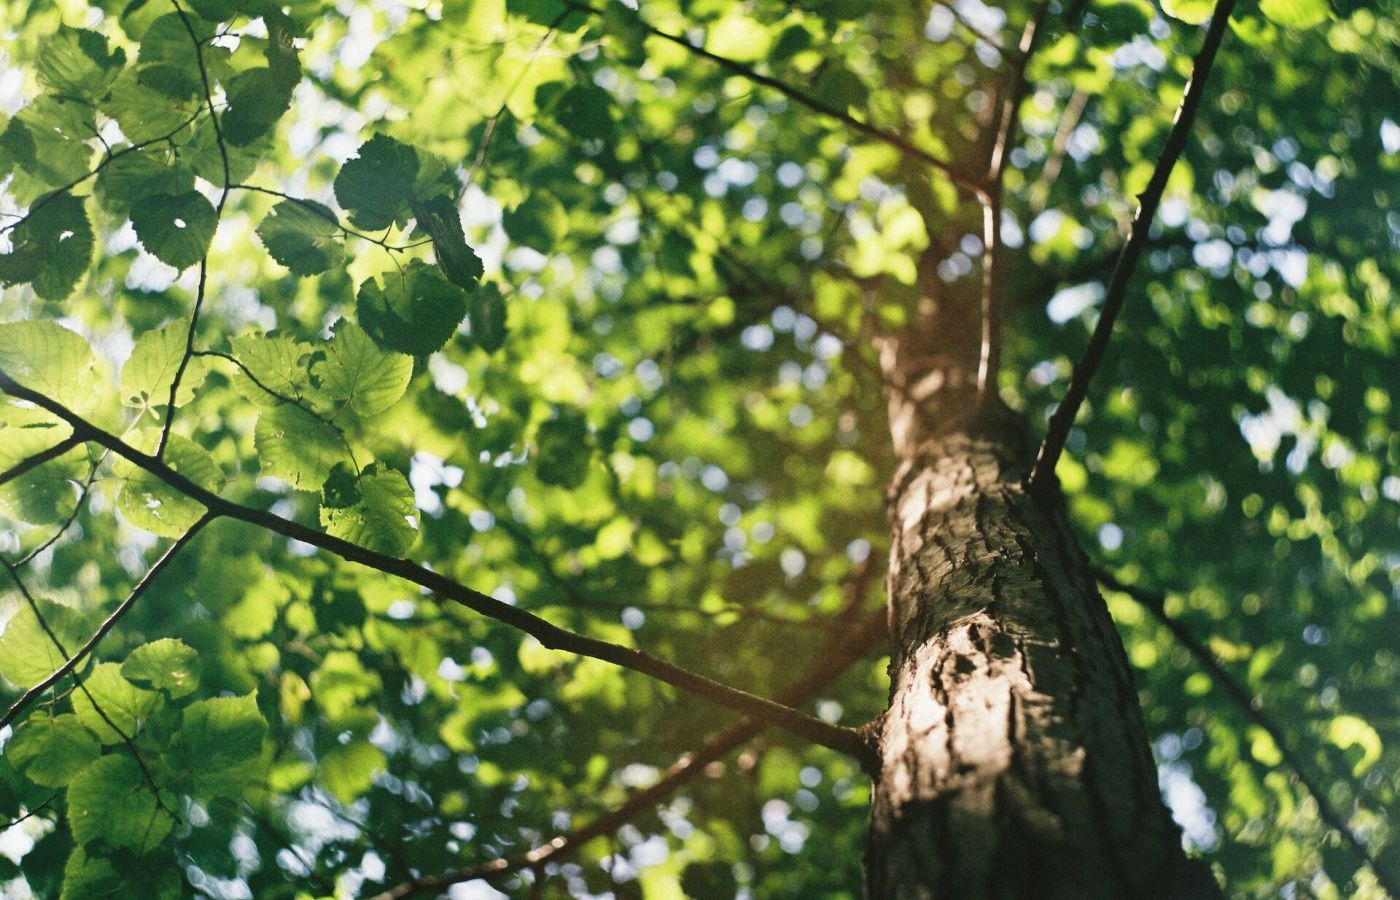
{"points": [[144, 113], [257, 98], [150, 370], [415, 312], [202, 154], [45, 147], [357, 373], [270, 363], [111, 801], [167, 665], [458, 262], [302, 235], [132, 175], [148, 503], [58, 363], [50, 750], [1295, 13], [297, 447], [52, 248], [45, 494], [121, 702], [89, 877], [221, 733], [28, 652], [375, 186], [76, 61], [176, 229], [381, 519], [348, 770], [167, 61]]}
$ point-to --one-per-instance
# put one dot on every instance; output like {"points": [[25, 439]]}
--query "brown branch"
{"points": [[1155, 603], [33, 462], [958, 177], [1063, 418], [845, 740], [837, 658]]}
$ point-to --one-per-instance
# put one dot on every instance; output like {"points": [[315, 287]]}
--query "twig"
{"points": [[38, 459], [845, 740], [29, 815], [1063, 417], [1155, 603], [317, 210]]}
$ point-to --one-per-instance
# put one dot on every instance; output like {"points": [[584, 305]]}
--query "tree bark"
{"points": [[1013, 759]]}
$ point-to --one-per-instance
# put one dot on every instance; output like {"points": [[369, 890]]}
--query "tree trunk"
{"points": [[1013, 759]]}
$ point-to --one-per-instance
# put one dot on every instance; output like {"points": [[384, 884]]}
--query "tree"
{"points": [[426, 427]]}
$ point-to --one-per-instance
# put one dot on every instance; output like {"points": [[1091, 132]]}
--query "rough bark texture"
{"points": [[1013, 758]]}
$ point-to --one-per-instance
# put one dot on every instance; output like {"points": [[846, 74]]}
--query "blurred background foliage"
{"points": [[678, 440]]}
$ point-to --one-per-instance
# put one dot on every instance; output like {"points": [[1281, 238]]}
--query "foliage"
{"points": [[549, 304]]}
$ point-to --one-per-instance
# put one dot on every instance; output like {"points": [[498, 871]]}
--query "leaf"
{"points": [[111, 801], [167, 61], [50, 750], [48, 358], [132, 175], [144, 113], [52, 248], [257, 98], [28, 653], [167, 665], [123, 703], [175, 228], [270, 362], [45, 146], [148, 503], [381, 515], [563, 450], [375, 186], [221, 733], [348, 770], [76, 61], [1192, 12], [357, 373], [44, 494], [415, 313], [487, 316], [584, 111], [297, 447], [150, 370], [438, 216], [302, 235], [1295, 13], [89, 877]]}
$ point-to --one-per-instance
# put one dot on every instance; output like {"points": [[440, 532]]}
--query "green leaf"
{"points": [[50, 750], [167, 61], [416, 312], [144, 113], [563, 456], [148, 503], [28, 653], [1192, 12], [381, 518], [166, 665], [45, 494], [90, 877], [133, 175], [438, 216], [270, 362], [221, 733], [150, 371], [297, 447], [257, 98], [375, 186], [111, 801], [302, 235], [584, 111], [1295, 13], [487, 316], [202, 154], [348, 770], [123, 703], [358, 374], [175, 228], [76, 62], [52, 248], [45, 146], [50, 359]]}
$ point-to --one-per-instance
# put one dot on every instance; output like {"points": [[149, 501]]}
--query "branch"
{"points": [[1156, 605], [317, 210], [845, 740], [107, 625], [1063, 418], [989, 362], [38, 459], [839, 657], [802, 98]]}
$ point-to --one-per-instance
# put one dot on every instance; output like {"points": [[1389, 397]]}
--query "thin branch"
{"points": [[184, 357], [93, 466], [1155, 603], [107, 625], [38, 459], [1014, 91], [6, 826], [834, 660], [845, 740], [1063, 417], [802, 98], [319, 211]]}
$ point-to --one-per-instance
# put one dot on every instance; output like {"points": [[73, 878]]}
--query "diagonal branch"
{"points": [[1063, 417], [1156, 604], [802, 98], [33, 462], [107, 625], [837, 658], [810, 728]]}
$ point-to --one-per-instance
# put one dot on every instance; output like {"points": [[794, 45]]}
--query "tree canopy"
{"points": [[423, 424]]}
